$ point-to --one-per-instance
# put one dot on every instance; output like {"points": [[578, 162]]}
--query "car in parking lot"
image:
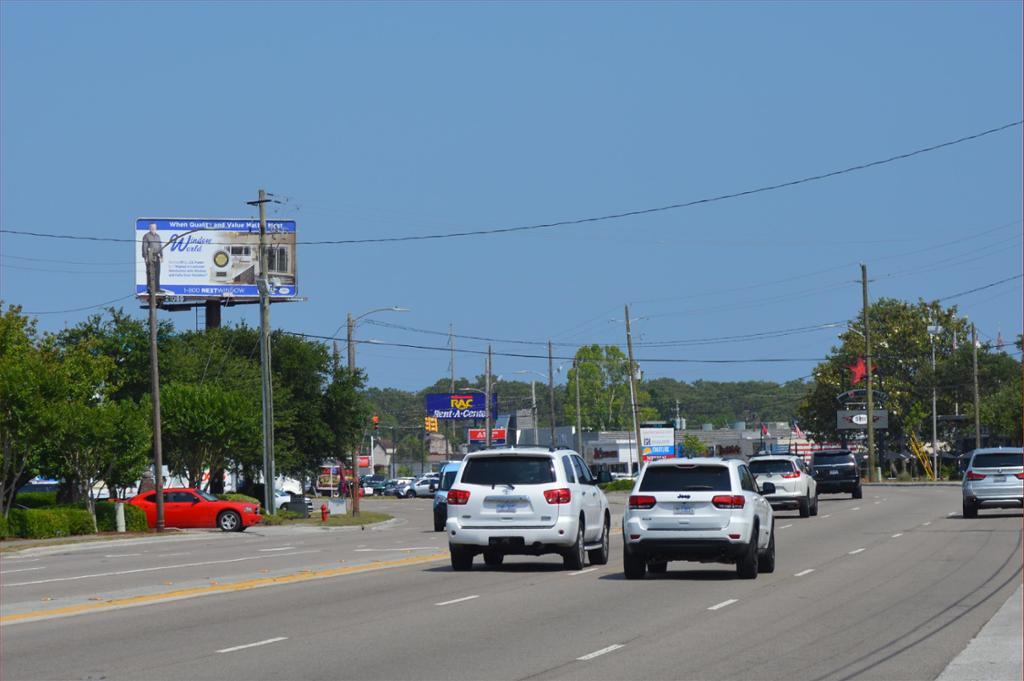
{"points": [[994, 479], [420, 487], [448, 472], [709, 511], [795, 487], [528, 501], [836, 470], [187, 507], [283, 502]]}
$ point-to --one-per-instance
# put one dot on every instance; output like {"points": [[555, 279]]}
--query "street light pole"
{"points": [[263, 284]]}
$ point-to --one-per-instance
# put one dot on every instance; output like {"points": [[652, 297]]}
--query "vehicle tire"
{"points": [[659, 568], [439, 521], [462, 558], [229, 521], [600, 556], [411, 494], [766, 561], [575, 557], [970, 510], [746, 565], [633, 566], [814, 505], [493, 558], [805, 507], [858, 492]]}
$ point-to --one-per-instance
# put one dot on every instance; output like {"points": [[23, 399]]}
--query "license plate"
{"points": [[684, 509], [506, 508], [999, 478], [833, 472]]}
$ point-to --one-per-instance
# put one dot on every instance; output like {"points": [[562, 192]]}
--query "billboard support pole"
{"points": [[154, 379], [266, 386]]}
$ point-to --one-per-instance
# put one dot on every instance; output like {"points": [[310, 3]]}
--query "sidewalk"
{"points": [[995, 653]]}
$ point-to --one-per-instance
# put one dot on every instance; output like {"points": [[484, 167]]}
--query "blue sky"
{"points": [[398, 119]]}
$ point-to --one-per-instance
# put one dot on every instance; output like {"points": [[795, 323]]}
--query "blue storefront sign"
{"points": [[451, 406]]}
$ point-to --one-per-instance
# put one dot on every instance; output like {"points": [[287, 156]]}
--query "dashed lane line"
{"points": [[583, 572], [785, 526], [458, 600], [9, 572], [827, 515], [279, 548], [721, 605], [804, 572], [898, 534], [598, 653], [253, 645], [856, 551]]}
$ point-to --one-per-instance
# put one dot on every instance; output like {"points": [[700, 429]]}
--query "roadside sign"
{"points": [[657, 443], [479, 435]]}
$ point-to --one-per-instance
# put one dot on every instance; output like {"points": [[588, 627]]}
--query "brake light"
{"points": [[642, 501], [558, 496], [971, 475], [728, 501], [1019, 476], [458, 497], [790, 476]]}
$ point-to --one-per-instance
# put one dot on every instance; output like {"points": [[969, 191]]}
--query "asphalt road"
{"points": [[890, 587]]}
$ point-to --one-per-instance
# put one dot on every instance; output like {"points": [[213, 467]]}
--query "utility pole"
{"points": [[871, 394], [533, 407], [579, 415], [152, 258], [451, 368], [933, 330], [977, 396], [487, 400], [354, 488], [551, 392], [263, 284], [632, 392]]}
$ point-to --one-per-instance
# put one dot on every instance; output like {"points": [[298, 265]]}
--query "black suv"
{"points": [[836, 470]]}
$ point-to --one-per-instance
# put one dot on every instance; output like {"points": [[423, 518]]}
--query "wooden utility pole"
{"points": [[152, 260], [354, 488], [871, 394], [487, 400], [977, 395], [263, 284], [579, 415], [632, 392], [551, 393]]}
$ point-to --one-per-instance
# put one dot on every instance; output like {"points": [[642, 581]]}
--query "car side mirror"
{"points": [[196, 500], [768, 488], [603, 477]]}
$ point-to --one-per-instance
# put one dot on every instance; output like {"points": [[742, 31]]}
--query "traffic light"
{"points": [[376, 422], [430, 424]]}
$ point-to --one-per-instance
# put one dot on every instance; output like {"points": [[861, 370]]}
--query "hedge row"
{"points": [[239, 497], [36, 499], [66, 521]]}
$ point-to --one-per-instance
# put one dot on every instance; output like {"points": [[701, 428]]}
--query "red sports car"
{"points": [[186, 507]]}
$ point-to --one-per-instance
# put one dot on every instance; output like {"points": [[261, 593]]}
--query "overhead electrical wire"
{"points": [[598, 218]]}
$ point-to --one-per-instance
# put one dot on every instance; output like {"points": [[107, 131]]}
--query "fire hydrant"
{"points": [[323, 513]]}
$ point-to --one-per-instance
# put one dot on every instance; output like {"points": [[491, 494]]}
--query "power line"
{"points": [[601, 218], [79, 309], [981, 288]]}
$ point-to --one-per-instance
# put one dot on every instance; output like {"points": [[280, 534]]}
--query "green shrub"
{"points": [[3, 527], [36, 499], [106, 517], [38, 523], [239, 497], [79, 520], [618, 485], [904, 476]]}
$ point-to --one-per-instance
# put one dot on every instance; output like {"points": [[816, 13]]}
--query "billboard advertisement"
{"points": [[451, 406], [479, 435], [216, 258], [657, 443], [858, 420]]}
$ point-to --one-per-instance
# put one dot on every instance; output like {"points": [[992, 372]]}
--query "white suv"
{"points": [[526, 501], [708, 510], [795, 487]]}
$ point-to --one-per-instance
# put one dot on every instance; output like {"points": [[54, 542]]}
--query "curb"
{"points": [[995, 653]]}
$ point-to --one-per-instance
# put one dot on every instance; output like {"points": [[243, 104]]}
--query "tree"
{"points": [[346, 411], [694, 445], [604, 391]]}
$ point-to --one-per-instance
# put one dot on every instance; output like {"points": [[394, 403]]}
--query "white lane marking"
{"points": [[7, 572], [785, 526], [253, 645], [855, 508], [583, 572], [878, 502], [856, 551], [804, 572], [598, 653], [20, 560], [151, 569], [404, 548], [898, 534], [723, 604], [827, 515], [279, 548], [458, 600], [927, 523], [951, 513], [121, 555], [168, 555]]}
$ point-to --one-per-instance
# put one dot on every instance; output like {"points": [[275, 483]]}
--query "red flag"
{"points": [[764, 429], [859, 371]]}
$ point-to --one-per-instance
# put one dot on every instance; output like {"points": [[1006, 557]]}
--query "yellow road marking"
{"points": [[245, 585]]}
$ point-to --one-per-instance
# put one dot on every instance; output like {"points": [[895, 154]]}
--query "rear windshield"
{"points": [[776, 466], [681, 478], [998, 460], [832, 457], [447, 479], [504, 470]]}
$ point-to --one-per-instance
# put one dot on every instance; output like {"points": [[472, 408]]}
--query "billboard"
{"points": [[858, 420], [450, 406], [216, 258], [479, 435], [657, 443]]}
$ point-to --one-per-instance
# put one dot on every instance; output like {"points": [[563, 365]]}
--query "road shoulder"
{"points": [[995, 653]]}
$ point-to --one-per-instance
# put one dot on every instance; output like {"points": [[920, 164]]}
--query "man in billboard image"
{"points": [[152, 248]]}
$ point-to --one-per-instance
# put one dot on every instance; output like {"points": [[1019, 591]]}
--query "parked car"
{"points": [[420, 487], [528, 501], [283, 500], [186, 507], [710, 512], [448, 473], [836, 470], [994, 479], [795, 487]]}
